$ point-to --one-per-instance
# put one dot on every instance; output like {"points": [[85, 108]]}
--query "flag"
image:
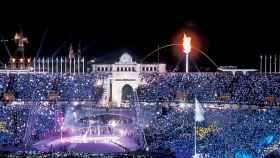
{"points": [[198, 112]]}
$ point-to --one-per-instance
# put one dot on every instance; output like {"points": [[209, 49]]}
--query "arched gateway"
{"points": [[127, 92], [124, 78]]}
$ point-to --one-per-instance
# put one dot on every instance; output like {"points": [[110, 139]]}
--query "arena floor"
{"points": [[93, 144]]}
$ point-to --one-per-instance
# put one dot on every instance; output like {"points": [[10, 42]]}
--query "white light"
{"points": [[113, 123], [75, 115], [75, 103], [147, 148], [84, 139], [182, 105], [122, 132], [99, 83], [46, 103]]}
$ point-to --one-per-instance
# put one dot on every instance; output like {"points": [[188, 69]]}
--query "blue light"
{"points": [[266, 141], [242, 154]]}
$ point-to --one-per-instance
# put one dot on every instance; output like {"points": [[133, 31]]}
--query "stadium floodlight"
{"points": [[187, 50]]}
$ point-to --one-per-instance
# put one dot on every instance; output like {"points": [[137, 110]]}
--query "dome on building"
{"points": [[125, 58]]}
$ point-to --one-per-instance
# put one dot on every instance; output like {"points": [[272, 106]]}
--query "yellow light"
{"points": [[21, 60], [13, 60], [203, 132], [187, 44], [28, 60], [3, 127], [272, 148]]}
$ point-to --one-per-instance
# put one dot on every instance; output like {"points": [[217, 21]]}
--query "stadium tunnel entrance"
{"points": [[127, 92], [122, 90]]}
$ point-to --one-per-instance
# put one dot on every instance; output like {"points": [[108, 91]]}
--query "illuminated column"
{"points": [[28, 65], [65, 65], [34, 64], [83, 62], [21, 63], [74, 65], [39, 64], [56, 65], [43, 62], [270, 57], [261, 63], [48, 65], [265, 59], [187, 62], [275, 64], [61, 61], [70, 66], [52, 65], [78, 65], [279, 64]]}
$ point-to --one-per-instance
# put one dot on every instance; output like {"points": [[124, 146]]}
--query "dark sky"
{"points": [[229, 35]]}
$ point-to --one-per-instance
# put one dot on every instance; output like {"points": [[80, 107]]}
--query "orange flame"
{"points": [[17, 36], [187, 44]]}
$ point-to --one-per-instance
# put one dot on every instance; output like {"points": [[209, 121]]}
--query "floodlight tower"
{"points": [[20, 40]]}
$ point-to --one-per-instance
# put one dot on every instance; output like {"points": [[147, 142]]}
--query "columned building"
{"points": [[124, 78]]}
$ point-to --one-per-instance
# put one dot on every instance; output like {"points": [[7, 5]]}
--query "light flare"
{"points": [[187, 44]]}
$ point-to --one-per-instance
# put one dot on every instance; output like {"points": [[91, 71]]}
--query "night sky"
{"points": [[229, 35]]}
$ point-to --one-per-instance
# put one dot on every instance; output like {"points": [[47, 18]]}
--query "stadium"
{"points": [[73, 106]]}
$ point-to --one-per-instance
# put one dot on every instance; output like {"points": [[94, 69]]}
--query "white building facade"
{"points": [[124, 78]]}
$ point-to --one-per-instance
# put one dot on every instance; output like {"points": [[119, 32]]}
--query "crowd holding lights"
{"points": [[241, 130], [30, 87], [34, 90], [224, 133], [241, 89], [20, 128], [228, 132]]}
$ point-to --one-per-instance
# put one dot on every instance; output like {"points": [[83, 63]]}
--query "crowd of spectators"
{"points": [[220, 87], [35, 87], [223, 133], [248, 89], [35, 117], [233, 132], [23, 125]]}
